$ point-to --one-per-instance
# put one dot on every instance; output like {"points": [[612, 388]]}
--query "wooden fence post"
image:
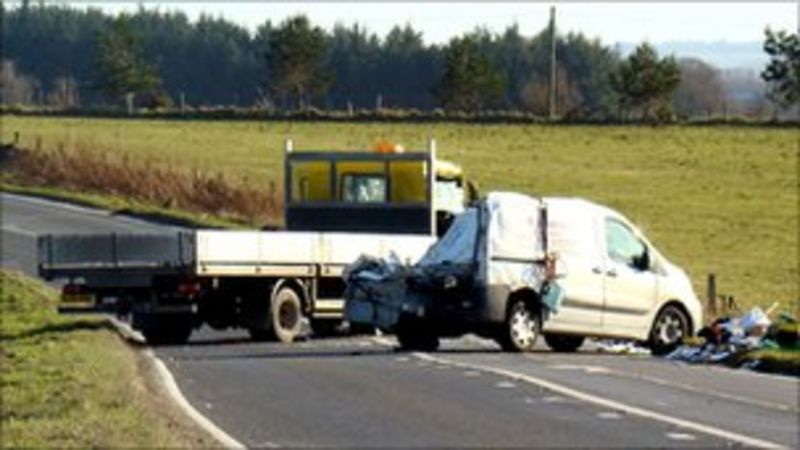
{"points": [[711, 294]]}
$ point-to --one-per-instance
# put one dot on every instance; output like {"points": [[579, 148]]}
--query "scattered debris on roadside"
{"points": [[622, 347], [747, 341]]}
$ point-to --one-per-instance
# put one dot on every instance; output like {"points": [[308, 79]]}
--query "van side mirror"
{"points": [[642, 261]]}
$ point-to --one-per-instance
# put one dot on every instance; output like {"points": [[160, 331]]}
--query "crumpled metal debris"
{"points": [[727, 337]]}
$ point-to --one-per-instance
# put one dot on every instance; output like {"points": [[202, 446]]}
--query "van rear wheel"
{"points": [[521, 328]]}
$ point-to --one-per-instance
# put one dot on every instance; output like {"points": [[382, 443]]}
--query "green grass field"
{"points": [[714, 199], [72, 382]]}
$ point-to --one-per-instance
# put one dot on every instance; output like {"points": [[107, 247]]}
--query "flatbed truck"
{"points": [[337, 206]]}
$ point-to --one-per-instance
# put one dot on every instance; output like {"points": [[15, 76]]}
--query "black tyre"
{"points": [[521, 328], [563, 342], [669, 328], [414, 334], [262, 334], [166, 329], [326, 327], [286, 311]]}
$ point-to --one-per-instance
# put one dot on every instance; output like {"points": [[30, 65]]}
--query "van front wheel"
{"points": [[669, 329]]}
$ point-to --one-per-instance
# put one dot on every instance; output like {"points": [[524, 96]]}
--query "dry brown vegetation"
{"points": [[147, 181]]}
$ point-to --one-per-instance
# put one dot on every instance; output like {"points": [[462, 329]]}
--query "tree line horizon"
{"points": [[67, 57]]}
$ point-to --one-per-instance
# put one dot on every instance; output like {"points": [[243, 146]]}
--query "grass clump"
{"points": [[70, 381]]}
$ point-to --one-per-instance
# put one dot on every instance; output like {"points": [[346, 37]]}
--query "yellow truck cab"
{"points": [[384, 191]]}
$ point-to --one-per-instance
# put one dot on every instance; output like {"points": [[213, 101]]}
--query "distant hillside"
{"points": [[725, 55]]}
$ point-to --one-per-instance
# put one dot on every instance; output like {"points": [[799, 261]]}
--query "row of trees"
{"points": [[155, 57]]}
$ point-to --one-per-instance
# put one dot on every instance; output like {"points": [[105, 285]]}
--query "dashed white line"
{"points": [[680, 436], [609, 415], [505, 385], [608, 403]]}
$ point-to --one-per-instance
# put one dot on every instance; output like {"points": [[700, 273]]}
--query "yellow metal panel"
{"points": [[311, 181], [408, 181]]}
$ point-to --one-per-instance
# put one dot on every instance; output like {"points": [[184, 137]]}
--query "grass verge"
{"points": [[116, 204], [72, 382], [781, 361]]}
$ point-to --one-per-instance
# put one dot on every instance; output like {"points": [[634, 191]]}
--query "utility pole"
{"points": [[552, 104]]}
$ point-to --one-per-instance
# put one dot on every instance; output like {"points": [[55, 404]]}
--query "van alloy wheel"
{"points": [[521, 329], [669, 329]]}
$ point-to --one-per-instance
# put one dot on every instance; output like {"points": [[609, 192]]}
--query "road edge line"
{"points": [[607, 403], [168, 381]]}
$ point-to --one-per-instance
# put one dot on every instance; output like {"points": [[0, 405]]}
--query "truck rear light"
{"points": [[73, 289], [189, 288]]}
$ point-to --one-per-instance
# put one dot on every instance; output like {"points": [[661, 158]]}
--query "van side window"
{"points": [[621, 244]]}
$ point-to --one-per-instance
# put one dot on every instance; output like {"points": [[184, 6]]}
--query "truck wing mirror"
{"points": [[473, 193]]}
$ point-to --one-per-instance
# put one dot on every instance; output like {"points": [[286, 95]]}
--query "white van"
{"points": [[492, 274], [617, 284]]}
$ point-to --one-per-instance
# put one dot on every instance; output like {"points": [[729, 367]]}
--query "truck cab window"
{"points": [[623, 246], [363, 188]]}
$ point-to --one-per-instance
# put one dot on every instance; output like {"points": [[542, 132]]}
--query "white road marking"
{"points": [[553, 399], [402, 359], [471, 373], [505, 385], [680, 436], [609, 404], [585, 368], [13, 229], [609, 415], [175, 392], [663, 382]]}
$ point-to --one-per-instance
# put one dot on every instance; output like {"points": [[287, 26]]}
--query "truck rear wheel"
{"points": [[164, 329], [286, 312], [521, 328]]}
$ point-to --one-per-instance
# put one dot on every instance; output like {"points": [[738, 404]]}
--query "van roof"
{"points": [[577, 204]]}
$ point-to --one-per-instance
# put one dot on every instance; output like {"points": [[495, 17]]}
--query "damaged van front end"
{"points": [[492, 261]]}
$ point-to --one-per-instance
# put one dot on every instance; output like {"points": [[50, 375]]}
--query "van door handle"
{"points": [[597, 270], [612, 273]]}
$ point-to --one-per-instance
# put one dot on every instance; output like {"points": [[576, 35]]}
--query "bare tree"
{"points": [[16, 88], [64, 93], [700, 92]]}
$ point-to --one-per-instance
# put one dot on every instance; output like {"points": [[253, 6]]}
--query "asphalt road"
{"points": [[359, 392]]}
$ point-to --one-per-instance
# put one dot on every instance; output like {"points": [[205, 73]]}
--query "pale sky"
{"points": [[439, 21]]}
